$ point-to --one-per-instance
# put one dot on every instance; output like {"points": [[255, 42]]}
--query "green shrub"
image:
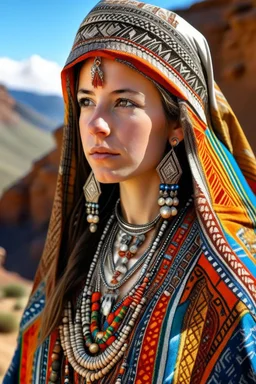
{"points": [[14, 290], [8, 322]]}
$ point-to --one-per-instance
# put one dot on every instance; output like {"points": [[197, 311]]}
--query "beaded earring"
{"points": [[92, 192], [169, 171]]}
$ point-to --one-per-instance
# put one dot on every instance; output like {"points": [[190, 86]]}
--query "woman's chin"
{"points": [[108, 177]]}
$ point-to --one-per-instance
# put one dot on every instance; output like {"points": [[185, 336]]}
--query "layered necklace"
{"points": [[96, 337]]}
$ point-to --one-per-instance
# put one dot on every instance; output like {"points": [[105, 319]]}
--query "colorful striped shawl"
{"points": [[202, 330]]}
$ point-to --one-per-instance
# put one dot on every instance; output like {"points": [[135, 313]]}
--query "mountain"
{"points": [[44, 110], [34, 83], [230, 28], [21, 140]]}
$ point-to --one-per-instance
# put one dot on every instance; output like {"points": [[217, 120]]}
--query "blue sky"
{"points": [[47, 27]]}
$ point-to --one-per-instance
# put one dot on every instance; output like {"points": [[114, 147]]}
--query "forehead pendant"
{"points": [[96, 73]]}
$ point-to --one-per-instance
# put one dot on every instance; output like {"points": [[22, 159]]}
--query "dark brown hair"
{"points": [[78, 245]]}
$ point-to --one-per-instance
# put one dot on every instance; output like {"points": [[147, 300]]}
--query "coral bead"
{"points": [[110, 318], [95, 306], [96, 296]]}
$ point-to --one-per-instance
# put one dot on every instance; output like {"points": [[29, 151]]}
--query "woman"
{"points": [[140, 283]]}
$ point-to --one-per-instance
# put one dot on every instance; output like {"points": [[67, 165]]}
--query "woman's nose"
{"points": [[99, 123]]}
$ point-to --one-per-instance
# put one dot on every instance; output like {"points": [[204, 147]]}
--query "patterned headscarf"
{"points": [[167, 49]]}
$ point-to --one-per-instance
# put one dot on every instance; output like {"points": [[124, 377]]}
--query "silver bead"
{"points": [[122, 268], [90, 218], [175, 201], [95, 219], [125, 260], [169, 201], [161, 201], [124, 247], [174, 211], [93, 228], [165, 212], [133, 249], [142, 238]]}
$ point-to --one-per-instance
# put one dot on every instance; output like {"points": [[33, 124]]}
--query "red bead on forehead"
{"points": [[97, 73]]}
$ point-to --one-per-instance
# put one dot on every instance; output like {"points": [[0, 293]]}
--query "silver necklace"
{"points": [[134, 229], [109, 256], [111, 296]]}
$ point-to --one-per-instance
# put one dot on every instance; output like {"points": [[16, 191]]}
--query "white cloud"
{"points": [[34, 74]]}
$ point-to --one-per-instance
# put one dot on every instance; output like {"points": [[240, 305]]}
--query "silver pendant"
{"points": [[108, 301]]}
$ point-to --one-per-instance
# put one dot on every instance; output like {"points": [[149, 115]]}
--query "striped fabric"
{"points": [[199, 326]]}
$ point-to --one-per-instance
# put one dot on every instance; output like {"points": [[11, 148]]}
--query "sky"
{"points": [[48, 27], [37, 35]]}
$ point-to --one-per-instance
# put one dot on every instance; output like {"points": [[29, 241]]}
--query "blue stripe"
{"points": [[174, 343], [236, 176]]}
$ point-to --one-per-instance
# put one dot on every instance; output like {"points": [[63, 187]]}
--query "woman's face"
{"points": [[123, 126]]}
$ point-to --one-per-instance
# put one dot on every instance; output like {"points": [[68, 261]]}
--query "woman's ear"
{"points": [[175, 131]]}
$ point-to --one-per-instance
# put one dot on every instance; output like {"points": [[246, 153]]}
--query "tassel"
{"points": [[97, 81], [96, 73]]}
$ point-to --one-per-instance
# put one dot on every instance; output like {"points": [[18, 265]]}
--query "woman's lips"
{"points": [[102, 156], [101, 153]]}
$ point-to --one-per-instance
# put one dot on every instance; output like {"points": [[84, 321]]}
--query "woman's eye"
{"points": [[85, 102], [125, 103]]}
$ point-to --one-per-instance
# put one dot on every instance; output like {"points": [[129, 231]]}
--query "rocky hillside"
{"points": [[21, 140], [49, 107], [230, 28], [25, 210]]}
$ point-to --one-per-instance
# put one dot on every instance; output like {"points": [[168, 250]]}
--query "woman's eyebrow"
{"points": [[82, 91], [127, 90], [117, 91]]}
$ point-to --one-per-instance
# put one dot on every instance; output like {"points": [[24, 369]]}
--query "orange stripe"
{"points": [[29, 346]]}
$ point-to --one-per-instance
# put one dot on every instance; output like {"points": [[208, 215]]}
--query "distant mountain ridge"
{"points": [[24, 137], [46, 111]]}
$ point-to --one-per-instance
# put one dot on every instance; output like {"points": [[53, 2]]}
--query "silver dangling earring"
{"points": [[170, 172], [92, 192]]}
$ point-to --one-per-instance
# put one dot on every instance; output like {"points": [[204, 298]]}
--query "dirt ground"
{"points": [[8, 340]]}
